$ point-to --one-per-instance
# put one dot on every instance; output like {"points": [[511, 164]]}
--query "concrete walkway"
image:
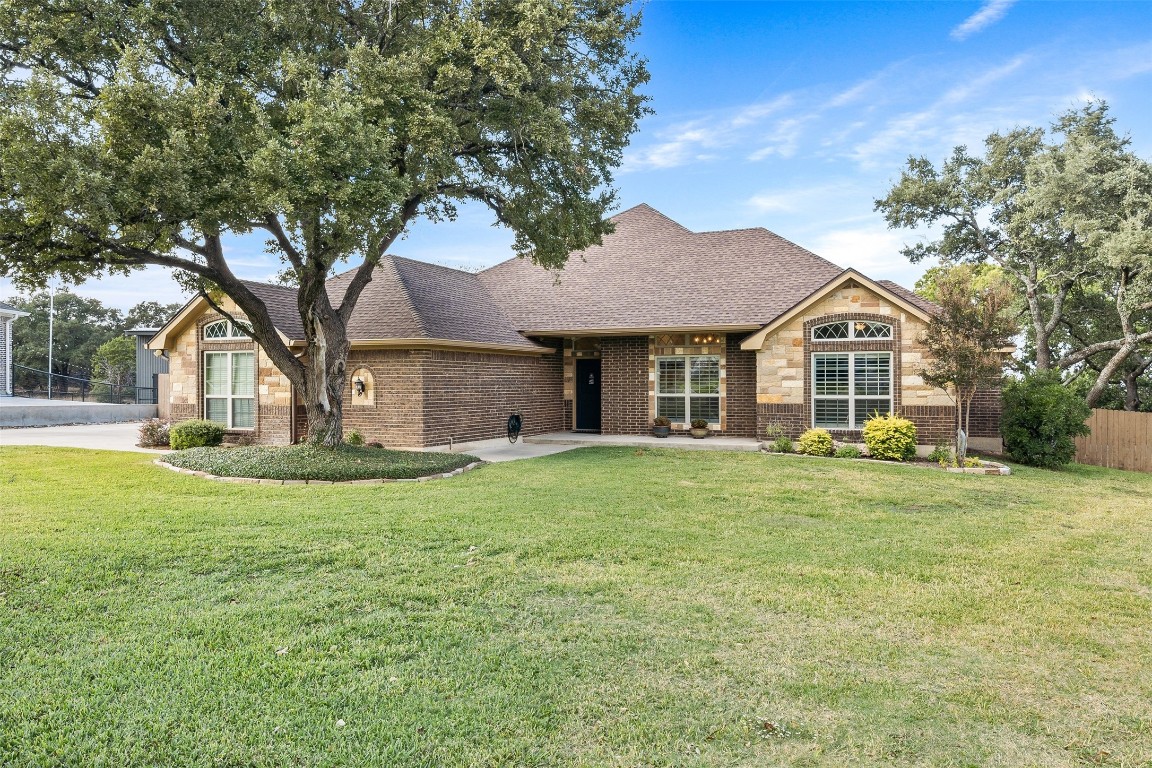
{"points": [[577, 439]]}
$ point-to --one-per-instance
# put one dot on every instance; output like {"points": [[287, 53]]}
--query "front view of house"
{"points": [[742, 328]]}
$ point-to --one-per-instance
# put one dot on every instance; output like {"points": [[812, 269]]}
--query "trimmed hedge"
{"points": [[310, 462], [815, 442], [195, 433], [890, 437]]}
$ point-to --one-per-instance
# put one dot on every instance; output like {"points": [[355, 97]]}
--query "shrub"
{"points": [[890, 437], [309, 462], [354, 438], [154, 432], [699, 423], [773, 431], [815, 442], [941, 454], [847, 452], [1041, 418], [195, 433], [782, 445], [661, 421]]}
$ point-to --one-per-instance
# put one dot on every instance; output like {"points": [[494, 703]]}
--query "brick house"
{"points": [[8, 315], [742, 328]]}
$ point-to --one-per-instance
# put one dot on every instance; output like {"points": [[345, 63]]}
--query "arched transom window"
{"points": [[851, 329], [223, 330]]}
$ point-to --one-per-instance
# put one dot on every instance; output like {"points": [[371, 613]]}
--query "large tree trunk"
{"points": [[325, 373]]}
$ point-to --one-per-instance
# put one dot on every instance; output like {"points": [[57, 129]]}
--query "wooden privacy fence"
{"points": [[1119, 439]]}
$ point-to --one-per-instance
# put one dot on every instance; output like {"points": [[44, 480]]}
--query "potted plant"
{"points": [[661, 425], [699, 428]]}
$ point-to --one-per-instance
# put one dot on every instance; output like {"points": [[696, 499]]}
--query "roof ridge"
{"points": [[646, 207], [406, 292], [268, 285]]}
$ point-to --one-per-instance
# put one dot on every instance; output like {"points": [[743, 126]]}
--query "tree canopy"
{"points": [[1066, 214], [135, 134]]}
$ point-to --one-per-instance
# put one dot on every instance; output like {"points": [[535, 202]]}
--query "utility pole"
{"points": [[51, 319]]}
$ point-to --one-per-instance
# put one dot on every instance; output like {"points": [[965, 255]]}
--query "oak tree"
{"points": [[144, 133]]}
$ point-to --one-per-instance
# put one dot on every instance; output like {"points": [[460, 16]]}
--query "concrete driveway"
{"points": [[106, 437]]}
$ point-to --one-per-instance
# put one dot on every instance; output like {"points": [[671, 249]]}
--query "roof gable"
{"points": [[756, 340]]}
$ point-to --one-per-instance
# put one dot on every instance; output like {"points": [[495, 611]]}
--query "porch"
{"points": [[712, 443]]}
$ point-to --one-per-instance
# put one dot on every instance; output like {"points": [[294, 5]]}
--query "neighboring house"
{"points": [[149, 366], [742, 328], [8, 314]]}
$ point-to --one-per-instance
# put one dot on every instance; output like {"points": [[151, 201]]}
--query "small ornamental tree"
{"points": [[145, 133], [966, 338]]}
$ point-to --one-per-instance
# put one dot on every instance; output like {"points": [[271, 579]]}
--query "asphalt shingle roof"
{"points": [[652, 272]]}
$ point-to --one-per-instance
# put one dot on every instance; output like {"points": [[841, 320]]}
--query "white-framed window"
{"points": [[846, 330], [688, 387], [230, 389], [848, 388], [226, 330]]}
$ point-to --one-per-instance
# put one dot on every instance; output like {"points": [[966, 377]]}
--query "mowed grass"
{"points": [[602, 607]]}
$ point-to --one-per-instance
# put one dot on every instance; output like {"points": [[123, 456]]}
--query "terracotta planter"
{"points": [[699, 434], [660, 431]]}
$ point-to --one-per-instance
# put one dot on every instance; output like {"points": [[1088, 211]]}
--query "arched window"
{"points": [[226, 330], [851, 329]]}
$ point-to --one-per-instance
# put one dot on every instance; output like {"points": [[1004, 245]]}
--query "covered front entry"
{"points": [[588, 395]]}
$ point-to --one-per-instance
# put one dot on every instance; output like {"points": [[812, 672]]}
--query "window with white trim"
{"points": [[226, 330], [848, 388], [230, 389], [847, 330], [688, 388]]}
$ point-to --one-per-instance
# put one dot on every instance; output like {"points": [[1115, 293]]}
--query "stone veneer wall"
{"points": [[783, 378], [186, 372]]}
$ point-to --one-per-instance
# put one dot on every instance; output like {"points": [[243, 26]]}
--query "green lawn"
{"points": [[600, 607]]}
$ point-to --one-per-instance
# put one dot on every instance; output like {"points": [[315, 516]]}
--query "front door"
{"points": [[588, 395]]}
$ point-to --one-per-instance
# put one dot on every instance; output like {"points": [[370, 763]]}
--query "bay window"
{"points": [[229, 389], [848, 388], [688, 388]]}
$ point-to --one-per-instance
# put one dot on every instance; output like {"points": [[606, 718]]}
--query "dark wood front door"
{"points": [[588, 395]]}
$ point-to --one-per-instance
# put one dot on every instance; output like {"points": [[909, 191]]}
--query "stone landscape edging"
{"points": [[269, 481], [986, 467]]}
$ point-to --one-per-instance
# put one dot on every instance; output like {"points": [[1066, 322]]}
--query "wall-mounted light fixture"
{"points": [[708, 339], [358, 386]]}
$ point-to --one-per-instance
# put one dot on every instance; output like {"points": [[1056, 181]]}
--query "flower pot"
{"points": [[699, 433], [660, 431]]}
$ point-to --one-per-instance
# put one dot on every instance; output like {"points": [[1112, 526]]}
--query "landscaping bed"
{"points": [[308, 462]]}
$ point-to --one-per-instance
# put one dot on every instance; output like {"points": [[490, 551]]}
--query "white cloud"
{"points": [[696, 140], [990, 13], [872, 250], [940, 120]]}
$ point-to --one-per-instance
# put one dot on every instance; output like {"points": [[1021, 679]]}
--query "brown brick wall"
{"points": [[624, 388], [396, 417], [793, 417], [987, 408], [469, 396], [740, 399], [424, 397]]}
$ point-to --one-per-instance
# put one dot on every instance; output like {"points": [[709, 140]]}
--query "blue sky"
{"points": [[796, 116]]}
